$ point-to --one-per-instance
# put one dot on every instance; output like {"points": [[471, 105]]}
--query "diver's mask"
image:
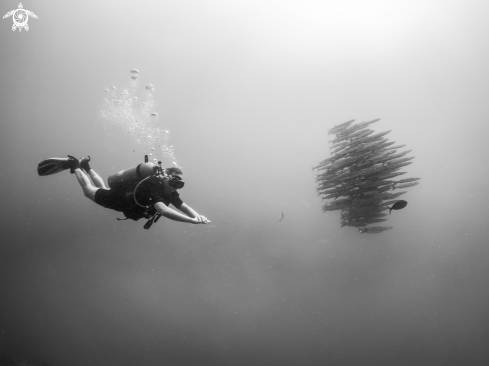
{"points": [[176, 182]]}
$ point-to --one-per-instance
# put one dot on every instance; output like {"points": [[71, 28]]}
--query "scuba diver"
{"points": [[145, 191]]}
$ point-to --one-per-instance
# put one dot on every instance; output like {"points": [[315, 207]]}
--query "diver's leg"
{"points": [[84, 164], [97, 180], [88, 189]]}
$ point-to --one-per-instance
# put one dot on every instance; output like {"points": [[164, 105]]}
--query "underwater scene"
{"points": [[244, 183]]}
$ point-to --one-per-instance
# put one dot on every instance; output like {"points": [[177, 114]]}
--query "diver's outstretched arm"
{"points": [[189, 211], [174, 215]]}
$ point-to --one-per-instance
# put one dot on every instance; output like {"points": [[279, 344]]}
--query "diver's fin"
{"points": [[53, 166]]}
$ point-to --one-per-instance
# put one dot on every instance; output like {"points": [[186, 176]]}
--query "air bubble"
{"points": [[135, 117]]}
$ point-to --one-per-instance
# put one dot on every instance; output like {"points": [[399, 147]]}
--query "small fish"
{"points": [[397, 206], [408, 180], [340, 127], [281, 217], [405, 185]]}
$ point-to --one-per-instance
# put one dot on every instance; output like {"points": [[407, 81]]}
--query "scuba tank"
{"points": [[129, 181]]}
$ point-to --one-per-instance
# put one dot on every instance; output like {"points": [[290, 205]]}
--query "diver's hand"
{"points": [[202, 220]]}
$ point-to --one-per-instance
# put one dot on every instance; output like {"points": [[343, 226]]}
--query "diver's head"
{"points": [[175, 180]]}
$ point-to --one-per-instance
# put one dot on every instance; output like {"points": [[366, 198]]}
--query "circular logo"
{"points": [[20, 17]]}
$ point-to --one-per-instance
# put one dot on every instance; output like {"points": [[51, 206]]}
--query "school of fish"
{"points": [[358, 178]]}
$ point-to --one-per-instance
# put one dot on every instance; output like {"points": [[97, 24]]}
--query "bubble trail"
{"points": [[136, 117]]}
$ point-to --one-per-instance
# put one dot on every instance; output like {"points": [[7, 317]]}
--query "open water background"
{"points": [[248, 91]]}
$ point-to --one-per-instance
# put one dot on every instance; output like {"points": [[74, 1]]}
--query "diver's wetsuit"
{"points": [[148, 194], [110, 199]]}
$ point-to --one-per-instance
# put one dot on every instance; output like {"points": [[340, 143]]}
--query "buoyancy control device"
{"points": [[128, 181]]}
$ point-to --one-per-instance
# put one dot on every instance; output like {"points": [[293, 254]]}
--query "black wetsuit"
{"points": [[148, 193]]}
